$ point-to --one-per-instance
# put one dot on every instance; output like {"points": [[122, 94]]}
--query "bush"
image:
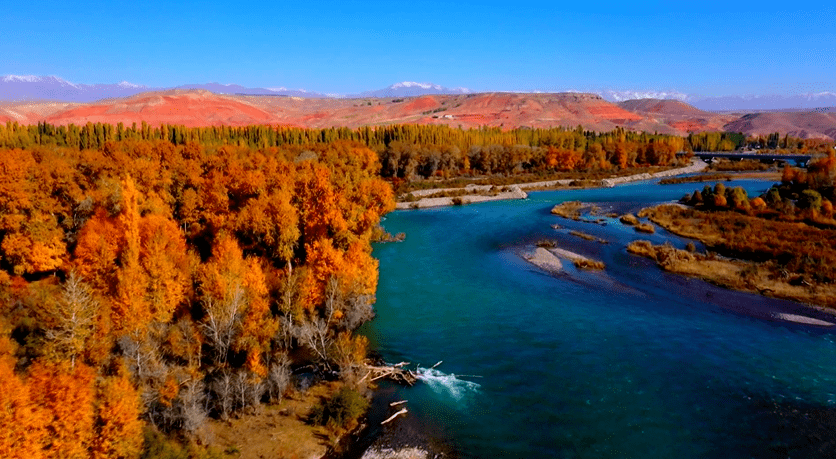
{"points": [[645, 228], [629, 219], [810, 199], [341, 410], [159, 446]]}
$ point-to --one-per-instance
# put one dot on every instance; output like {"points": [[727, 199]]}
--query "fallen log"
{"points": [[403, 411], [395, 373]]}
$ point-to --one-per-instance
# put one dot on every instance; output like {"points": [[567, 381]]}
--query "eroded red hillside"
{"points": [[192, 109], [505, 110]]}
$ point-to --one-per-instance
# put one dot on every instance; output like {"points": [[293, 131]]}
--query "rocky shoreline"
{"points": [[476, 193]]}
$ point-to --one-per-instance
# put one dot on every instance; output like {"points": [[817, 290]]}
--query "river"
{"points": [[631, 362]]}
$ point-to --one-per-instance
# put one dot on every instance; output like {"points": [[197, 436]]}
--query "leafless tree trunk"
{"points": [[221, 321], [358, 311], [222, 388], [248, 390], [316, 336], [192, 407], [73, 318], [278, 379]]}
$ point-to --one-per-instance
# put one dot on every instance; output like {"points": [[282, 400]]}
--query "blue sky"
{"points": [[702, 48]]}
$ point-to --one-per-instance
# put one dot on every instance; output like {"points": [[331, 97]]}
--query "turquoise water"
{"points": [[632, 362]]}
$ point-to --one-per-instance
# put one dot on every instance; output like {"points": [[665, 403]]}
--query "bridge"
{"points": [[709, 156]]}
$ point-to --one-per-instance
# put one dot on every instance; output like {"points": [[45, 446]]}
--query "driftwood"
{"points": [[398, 403], [396, 373], [402, 411]]}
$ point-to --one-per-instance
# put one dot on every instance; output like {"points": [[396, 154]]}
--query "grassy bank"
{"points": [[786, 260]]}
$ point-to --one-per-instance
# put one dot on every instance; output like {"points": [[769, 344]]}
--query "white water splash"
{"points": [[447, 383]]}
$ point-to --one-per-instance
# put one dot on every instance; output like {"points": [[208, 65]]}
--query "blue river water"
{"points": [[629, 362]]}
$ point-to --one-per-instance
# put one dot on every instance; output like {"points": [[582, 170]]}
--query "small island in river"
{"points": [[778, 244]]}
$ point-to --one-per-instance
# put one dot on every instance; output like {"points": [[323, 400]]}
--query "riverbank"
{"points": [[280, 430], [772, 252], [513, 192], [632, 348], [484, 193]]}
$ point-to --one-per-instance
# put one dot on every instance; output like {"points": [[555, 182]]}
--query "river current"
{"points": [[629, 362]]}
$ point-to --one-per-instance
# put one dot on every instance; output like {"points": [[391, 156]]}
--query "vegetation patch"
{"points": [[569, 209], [786, 260], [741, 165], [588, 237], [696, 179], [586, 263], [341, 411], [645, 228], [629, 219]]}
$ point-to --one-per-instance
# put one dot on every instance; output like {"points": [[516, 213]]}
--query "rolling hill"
{"points": [[505, 110]]}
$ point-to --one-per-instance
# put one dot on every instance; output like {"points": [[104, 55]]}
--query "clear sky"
{"points": [[703, 48]]}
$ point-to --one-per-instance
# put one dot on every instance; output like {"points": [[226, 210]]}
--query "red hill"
{"points": [[805, 125], [192, 108], [506, 110]]}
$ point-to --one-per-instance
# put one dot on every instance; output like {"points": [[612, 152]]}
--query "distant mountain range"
{"points": [[731, 103], [201, 107], [412, 89], [30, 88], [766, 103]]}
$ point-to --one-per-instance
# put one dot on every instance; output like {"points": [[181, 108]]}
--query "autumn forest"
{"points": [[157, 277]]}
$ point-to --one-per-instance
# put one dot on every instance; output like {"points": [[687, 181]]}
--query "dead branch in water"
{"points": [[395, 373], [403, 411]]}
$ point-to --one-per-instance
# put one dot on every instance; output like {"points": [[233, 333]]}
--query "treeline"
{"points": [[404, 150], [731, 141], [793, 225], [148, 283], [802, 195], [565, 152], [95, 135]]}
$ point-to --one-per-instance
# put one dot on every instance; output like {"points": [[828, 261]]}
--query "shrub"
{"points": [[341, 410], [629, 219], [585, 263], [810, 199], [645, 228], [718, 200], [159, 446]]}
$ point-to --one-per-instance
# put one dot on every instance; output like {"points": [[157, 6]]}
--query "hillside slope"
{"points": [[506, 110], [805, 125], [677, 114]]}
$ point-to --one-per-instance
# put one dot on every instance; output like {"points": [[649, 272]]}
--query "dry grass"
{"points": [[645, 228], [785, 260], [629, 219], [569, 209], [582, 235], [586, 263], [696, 179], [588, 237], [280, 431], [742, 165]]}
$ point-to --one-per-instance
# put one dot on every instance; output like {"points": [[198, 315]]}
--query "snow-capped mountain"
{"points": [[411, 89], [32, 87], [731, 103], [768, 102], [621, 96], [218, 88]]}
